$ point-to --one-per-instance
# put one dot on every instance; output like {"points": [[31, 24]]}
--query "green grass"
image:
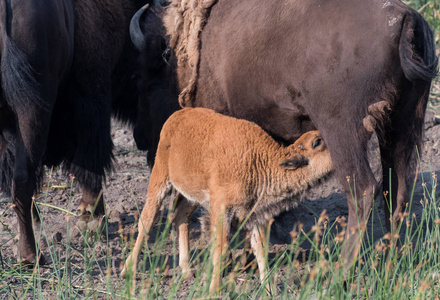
{"points": [[85, 267]]}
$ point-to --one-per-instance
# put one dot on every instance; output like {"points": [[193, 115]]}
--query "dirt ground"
{"points": [[126, 188]]}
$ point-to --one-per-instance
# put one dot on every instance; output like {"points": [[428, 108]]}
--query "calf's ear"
{"points": [[295, 162]]}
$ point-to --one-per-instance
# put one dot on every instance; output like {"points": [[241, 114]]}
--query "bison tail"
{"points": [[19, 80], [417, 49]]}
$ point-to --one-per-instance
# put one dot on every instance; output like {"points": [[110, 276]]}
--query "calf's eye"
{"points": [[316, 143]]}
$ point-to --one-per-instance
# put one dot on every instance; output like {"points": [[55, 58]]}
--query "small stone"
{"points": [[114, 214]]}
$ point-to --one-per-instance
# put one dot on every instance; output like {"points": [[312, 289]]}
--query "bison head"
{"points": [[157, 84]]}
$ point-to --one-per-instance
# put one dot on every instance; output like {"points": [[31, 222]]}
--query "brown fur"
{"points": [[232, 168], [65, 67], [184, 23]]}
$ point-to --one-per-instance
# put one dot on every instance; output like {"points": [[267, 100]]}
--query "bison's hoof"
{"points": [[89, 222]]}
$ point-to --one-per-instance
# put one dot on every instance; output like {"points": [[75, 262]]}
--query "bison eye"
{"points": [[316, 143], [166, 55], [300, 146]]}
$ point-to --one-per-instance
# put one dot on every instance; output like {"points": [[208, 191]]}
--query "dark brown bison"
{"points": [[157, 84], [65, 66], [294, 66]]}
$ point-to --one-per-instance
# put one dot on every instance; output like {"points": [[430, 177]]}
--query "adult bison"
{"points": [[62, 65], [293, 66]]}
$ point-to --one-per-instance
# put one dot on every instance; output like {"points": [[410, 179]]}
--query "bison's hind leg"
{"points": [[398, 149]]}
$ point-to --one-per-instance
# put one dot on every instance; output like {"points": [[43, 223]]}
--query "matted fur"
{"points": [[262, 214], [184, 22]]}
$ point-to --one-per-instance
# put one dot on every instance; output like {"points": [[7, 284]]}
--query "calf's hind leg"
{"points": [[157, 191]]}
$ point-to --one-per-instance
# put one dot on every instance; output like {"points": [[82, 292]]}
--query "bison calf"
{"points": [[232, 168]]}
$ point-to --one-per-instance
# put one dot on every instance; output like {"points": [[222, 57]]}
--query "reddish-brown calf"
{"points": [[232, 168]]}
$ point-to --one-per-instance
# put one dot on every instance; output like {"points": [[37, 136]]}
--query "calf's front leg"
{"points": [[184, 210], [220, 225]]}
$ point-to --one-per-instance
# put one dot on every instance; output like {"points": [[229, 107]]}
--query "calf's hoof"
{"points": [[188, 274], [247, 260], [127, 264], [124, 273]]}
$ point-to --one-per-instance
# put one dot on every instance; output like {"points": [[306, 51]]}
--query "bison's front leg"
{"points": [[361, 190], [93, 152], [359, 208], [353, 171]]}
